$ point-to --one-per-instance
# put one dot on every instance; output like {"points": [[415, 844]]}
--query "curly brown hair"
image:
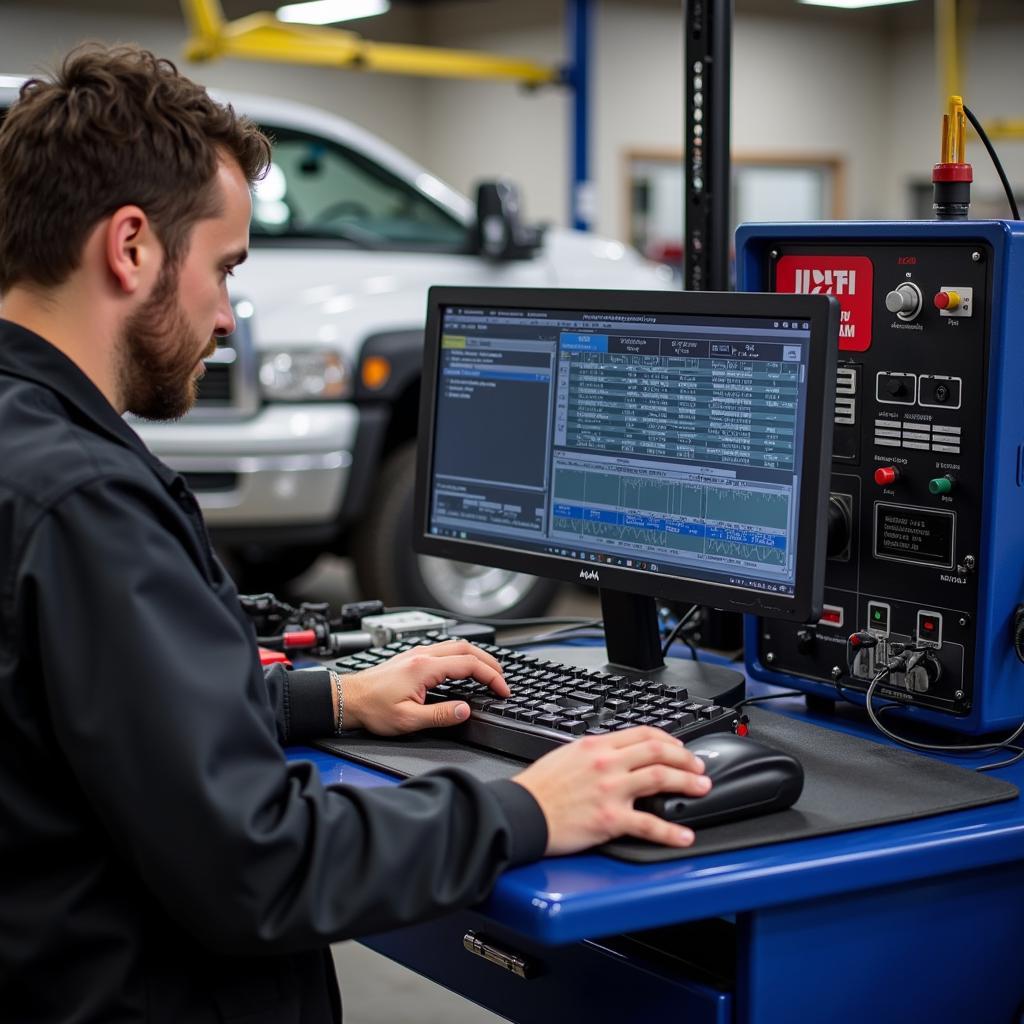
{"points": [[115, 126]]}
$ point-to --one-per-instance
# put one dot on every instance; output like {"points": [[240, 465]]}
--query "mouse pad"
{"points": [[849, 783]]}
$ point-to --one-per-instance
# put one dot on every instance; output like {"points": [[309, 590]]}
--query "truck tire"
{"points": [[390, 570]]}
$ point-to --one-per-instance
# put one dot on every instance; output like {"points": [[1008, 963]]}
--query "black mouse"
{"points": [[747, 778]]}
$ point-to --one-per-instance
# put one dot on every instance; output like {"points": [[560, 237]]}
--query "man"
{"points": [[159, 858]]}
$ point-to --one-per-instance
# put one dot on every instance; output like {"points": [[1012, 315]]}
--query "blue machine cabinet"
{"points": [[927, 488]]}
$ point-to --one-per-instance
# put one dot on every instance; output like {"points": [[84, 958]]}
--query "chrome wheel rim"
{"points": [[470, 590]]}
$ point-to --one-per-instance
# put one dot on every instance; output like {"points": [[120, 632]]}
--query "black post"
{"points": [[631, 634], [632, 642], [707, 74]]}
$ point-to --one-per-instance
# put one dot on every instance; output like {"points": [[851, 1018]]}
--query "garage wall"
{"points": [[806, 83], [790, 93]]}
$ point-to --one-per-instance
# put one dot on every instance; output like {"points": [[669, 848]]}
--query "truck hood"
{"points": [[337, 297]]}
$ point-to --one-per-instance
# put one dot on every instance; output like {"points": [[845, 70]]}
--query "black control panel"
{"points": [[904, 517]]}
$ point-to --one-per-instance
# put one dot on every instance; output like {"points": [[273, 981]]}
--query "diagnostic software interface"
{"points": [[661, 443]]}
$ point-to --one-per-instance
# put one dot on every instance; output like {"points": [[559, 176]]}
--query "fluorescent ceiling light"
{"points": [[327, 12], [852, 4]]}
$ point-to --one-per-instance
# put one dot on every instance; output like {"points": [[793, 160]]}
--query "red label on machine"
{"points": [[848, 278]]}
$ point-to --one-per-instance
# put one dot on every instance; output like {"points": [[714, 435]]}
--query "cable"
{"points": [[585, 628], [677, 629], [995, 160], [768, 696], [1003, 764], [949, 748], [499, 623]]}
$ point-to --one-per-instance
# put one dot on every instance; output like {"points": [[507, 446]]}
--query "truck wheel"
{"points": [[390, 570]]}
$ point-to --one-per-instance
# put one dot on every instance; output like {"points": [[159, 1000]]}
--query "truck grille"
{"points": [[229, 388], [215, 385]]}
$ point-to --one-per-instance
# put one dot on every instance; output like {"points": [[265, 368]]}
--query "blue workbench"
{"points": [[918, 921]]}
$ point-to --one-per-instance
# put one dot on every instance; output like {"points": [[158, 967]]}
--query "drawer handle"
{"points": [[480, 945]]}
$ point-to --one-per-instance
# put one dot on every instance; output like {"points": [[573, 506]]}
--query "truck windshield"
{"points": [[316, 189]]}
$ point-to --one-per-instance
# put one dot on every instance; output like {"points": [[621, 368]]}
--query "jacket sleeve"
{"points": [[302, 701], [160, 707]]}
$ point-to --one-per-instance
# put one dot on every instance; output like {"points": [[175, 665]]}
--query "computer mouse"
{"points": [[747, 779]]}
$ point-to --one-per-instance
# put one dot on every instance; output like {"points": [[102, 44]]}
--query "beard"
{"points": [[159, 350]]}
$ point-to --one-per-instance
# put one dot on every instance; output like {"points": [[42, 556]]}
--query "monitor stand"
{"points": [[633, 643]]}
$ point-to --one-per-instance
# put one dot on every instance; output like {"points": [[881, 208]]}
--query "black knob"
{"points": [[839, 527], [895, 387], [805, 641]]}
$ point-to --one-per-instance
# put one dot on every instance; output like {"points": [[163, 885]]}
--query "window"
{"points": [[764, 187], [316, 189]]}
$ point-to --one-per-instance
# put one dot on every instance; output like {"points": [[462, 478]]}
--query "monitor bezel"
{"points": [[820, 311]]}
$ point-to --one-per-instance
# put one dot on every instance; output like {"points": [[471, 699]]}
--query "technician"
{"points": [[160, 860]]}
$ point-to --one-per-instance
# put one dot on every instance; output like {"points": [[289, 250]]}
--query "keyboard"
{"points": [[554, 703]]}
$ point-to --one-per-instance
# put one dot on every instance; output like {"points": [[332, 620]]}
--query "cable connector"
{"points": [[952, 175]]}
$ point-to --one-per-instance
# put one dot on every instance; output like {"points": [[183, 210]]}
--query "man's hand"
{"points": [[388, 699], [586, 789]]}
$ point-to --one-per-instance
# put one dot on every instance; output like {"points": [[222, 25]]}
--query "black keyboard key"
{"points": [[548, 720], [676, 691], [618, 704], [595, 730], [713, 711], [573, 726], [680, 721]]}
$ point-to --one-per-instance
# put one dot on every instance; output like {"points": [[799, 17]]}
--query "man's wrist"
{"points": [[338, 702], [345, 701]]}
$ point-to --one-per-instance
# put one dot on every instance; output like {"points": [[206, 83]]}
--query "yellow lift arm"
{"points": [[262, 37], [952, 26]]}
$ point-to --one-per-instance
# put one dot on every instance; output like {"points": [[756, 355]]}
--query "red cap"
{"points": [[952, 172], [886, 475], [300, 638]]}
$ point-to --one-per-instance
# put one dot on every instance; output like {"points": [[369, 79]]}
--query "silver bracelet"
{"points": [[340, 690]]}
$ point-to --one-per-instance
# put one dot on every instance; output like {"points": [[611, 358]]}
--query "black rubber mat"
{"points": [[849, 783]]}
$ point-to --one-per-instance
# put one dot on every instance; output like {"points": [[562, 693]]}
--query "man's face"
{"points": [[165, 340]]}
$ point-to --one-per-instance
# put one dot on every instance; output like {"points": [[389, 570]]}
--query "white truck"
{"points": [[304, 436]]}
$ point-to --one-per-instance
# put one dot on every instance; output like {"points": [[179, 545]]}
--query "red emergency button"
{"points": [[886, 475], [947, 299]]}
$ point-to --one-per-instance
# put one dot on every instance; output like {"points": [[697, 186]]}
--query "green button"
{"points": [[940, 485]]}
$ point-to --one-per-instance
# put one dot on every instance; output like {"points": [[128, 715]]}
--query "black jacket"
{"points": [[159, 858]]}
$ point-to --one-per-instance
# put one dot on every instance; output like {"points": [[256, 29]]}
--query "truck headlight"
{"points": [[304, 375]]}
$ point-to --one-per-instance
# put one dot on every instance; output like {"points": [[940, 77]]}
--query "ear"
{"points": [[132, 250]]}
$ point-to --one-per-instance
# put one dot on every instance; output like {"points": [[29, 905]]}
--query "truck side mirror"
{"points": [[499, 233]]}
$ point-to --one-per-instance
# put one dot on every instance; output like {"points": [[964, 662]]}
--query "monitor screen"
{"points": [[672, 444]]}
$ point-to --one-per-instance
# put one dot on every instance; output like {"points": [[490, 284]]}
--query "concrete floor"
{"points": [[375, 990]]}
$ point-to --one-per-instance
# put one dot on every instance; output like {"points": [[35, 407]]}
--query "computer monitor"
{"points": [[669, 445]]}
